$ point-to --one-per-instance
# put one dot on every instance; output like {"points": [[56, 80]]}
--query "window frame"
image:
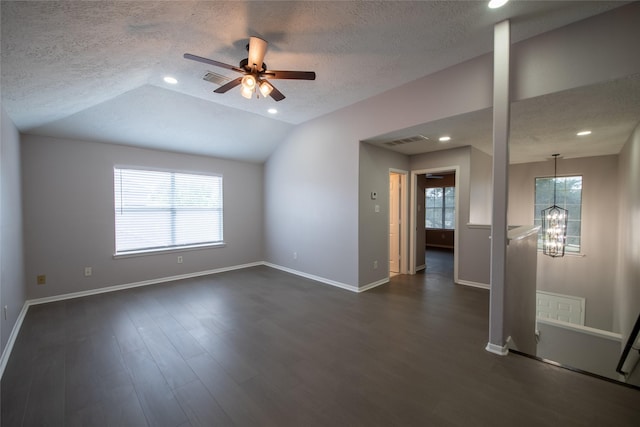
{"points": [[172, 208]]}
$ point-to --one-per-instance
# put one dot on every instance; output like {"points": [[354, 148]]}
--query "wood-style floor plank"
{"points": [[260, 347]]}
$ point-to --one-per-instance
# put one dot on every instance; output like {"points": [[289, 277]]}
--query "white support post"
{"points": [[501, 117]]}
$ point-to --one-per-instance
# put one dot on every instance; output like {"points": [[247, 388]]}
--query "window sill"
{"points": [[571, 254], [134, 254]]}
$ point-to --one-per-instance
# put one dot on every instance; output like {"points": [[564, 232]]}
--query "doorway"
{"points": [[398, 260], [441, 231]]}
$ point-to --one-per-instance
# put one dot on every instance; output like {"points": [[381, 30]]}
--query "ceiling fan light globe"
{"points": [[265, 88], [247, 93], [249, 82]]}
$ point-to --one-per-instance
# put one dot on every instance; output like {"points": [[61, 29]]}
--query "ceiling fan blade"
{"points": [[257, 50], [276, 94], [292, 75], [228, 86], [212, 62]]}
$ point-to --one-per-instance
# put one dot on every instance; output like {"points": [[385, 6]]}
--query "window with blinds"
{"points": [[440, 208], [158, 210]]}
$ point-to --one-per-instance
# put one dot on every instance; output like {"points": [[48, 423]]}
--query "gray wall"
{"points": [[591, 276], [600, 48], [374, 175], [520, 290], [315, 198], [481, 187], [12, 279], [330, 143], [311, 203], [69, 218], [579, 349], [627, 292]]}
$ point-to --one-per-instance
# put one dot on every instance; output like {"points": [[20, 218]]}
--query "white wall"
{"points": [[592, 275], [12, 279], [69, 215]]}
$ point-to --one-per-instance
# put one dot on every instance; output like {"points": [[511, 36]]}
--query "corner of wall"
{"points": [[627, 281], [12, 280]]}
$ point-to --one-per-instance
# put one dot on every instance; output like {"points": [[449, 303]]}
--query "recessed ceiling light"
{"points": [[584, 133], [494, 4], [444, 139], [272, 111], [170, 80]]}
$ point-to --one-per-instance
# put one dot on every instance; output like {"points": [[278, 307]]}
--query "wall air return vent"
{"points": [[406, 140], [216, 78]]}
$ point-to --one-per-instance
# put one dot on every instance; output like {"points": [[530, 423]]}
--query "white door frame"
{"points": [[414, 213], [404, 219]]}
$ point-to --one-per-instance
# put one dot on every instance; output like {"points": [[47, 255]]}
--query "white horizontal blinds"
{"points": [[163, 210]]}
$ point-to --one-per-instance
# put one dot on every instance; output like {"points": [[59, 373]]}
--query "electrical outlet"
{"points": [[88, 271], [41, 279], [295, 255], [375, 264], [179, 259]]}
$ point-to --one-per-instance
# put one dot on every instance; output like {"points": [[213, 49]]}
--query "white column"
{"points": [[501, 112]]}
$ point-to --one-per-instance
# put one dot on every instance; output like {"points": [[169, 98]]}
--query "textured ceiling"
{"points": [[540, 126], [94, 70]]}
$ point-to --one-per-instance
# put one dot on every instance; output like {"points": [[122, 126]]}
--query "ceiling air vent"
{"points": [[216, 78], [406, 140]]}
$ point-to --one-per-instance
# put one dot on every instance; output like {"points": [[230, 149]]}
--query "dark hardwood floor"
{"points": [[259, 347]]}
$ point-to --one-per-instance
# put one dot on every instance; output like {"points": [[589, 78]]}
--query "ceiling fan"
{"points": [[254, 72]]}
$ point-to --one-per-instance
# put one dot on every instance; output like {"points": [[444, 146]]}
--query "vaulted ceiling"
{"points": [[94, 70]]}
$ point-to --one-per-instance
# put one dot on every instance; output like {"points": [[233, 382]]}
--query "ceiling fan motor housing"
{"points": [[245, 64]]}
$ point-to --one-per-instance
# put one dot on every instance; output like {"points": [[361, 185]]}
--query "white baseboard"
{"points": [[12, 338], [329, 281], [496, 349], [138, 284], [313, 277], [373, 284], [473, 284], [439, 246], [421, 267]]}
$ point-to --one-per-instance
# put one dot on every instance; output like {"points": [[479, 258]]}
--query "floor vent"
{"points": [[406, 140]]}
